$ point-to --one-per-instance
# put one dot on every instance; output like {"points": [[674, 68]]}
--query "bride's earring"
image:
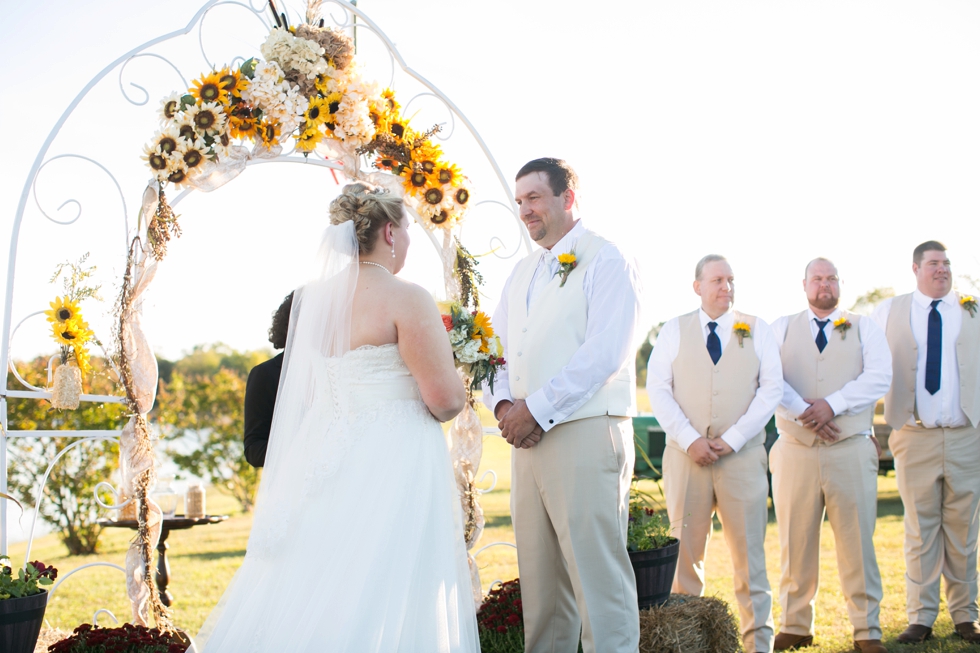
{"points": [[392, 247]]}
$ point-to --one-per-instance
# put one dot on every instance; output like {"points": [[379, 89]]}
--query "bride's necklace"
{"points": [[377, 265]]}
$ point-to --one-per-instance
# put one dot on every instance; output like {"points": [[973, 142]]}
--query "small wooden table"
{"points": [[176, 523]]}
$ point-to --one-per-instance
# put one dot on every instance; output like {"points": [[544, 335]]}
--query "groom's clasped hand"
{"points": [[517, 425]]}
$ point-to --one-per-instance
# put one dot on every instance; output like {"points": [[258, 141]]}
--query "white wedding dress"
{"points": [[365, 553]]}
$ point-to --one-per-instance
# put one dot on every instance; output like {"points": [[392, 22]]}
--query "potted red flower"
{"points": [[22, 604], [132, 639], [500, 619], [652, 550]]}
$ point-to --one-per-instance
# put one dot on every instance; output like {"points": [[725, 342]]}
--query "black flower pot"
{"points": [[20, 622], [654, 571]]}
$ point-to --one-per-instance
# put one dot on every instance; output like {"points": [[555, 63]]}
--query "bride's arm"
{"points": [[424, 346]]}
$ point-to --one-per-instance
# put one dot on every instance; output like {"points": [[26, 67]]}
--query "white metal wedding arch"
{"points": [[345, 16]]}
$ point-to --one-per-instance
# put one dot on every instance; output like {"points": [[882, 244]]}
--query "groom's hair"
{"points": [[561, 177], [280, 323], [929, 246]]}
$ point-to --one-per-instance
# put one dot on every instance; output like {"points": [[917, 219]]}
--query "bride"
{"points": [[357, 543]]}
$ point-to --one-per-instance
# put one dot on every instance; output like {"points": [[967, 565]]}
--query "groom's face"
{"points": [[546, 215]]}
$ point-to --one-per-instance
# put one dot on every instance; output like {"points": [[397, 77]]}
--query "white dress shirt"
{"points": [[660, 381], [857, 395], [943, 409], [612, 289]]}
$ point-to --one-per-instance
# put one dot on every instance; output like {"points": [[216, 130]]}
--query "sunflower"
{"points": [[481, 326], [170, 107], [415, 181], [69, 334], [82, 359], [317, 113], [269, 132], [177, 171], [449, 174], [209, 89], [62, 310], [433, 195], [193, 154], [207, 118], [440, 218], [428, 153], [153, 158], [308, 139], [242, 123], [232, 82], [165, 140]]}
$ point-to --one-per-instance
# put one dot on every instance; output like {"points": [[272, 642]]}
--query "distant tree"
{"points": [[69, 494], [204, 400], [969, 283], [643, 355], [866, 302]]}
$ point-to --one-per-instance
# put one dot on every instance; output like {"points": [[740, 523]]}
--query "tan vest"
{"points": [[714, 397], [540, 342], [815, 374], [900, 400]]}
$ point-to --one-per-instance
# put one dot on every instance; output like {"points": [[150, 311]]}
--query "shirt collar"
{"points": [[833, 317], [567, 242], [925, 302], [725, 321]]}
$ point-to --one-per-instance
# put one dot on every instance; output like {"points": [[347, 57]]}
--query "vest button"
{"points": [[819, 358], [820, 379], [715, 393], [713, 415]]}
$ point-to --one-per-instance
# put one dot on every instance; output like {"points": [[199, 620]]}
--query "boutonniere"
{"points": [[842, 324], [566, 263], [969, 304], [742, 330]]}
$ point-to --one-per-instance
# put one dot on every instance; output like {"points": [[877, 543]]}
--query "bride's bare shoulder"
{"points": [[411, 295]]}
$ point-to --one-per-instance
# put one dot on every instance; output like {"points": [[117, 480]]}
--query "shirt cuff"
{"points": [[687, 437], [543, 412], [837, 403], [734, 438], [798, 408]]}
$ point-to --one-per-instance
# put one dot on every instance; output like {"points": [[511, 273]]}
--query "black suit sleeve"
{"points": [[260, 403]]}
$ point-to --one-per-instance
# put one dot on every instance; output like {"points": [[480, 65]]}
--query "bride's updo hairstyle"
{"points": [[370, 207]]}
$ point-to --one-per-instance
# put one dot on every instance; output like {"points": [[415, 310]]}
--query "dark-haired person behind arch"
{"points": [[261, 389]]}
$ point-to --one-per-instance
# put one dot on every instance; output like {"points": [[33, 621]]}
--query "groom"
{"points": [[567, 316]]}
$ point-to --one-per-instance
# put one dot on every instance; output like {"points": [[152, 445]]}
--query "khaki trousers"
{"points": [[841, 481], [735, 487], [570, 505], [938, 474]]}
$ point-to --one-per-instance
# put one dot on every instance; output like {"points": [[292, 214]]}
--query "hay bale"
{"points": [[689, 624], [48, 637]]}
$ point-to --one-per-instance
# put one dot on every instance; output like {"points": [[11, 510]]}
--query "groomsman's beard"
{"points": [[825, 303]]}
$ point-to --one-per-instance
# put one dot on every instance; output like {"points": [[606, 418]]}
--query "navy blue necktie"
{"points": [[934, 349], [714, 343], [821, 336]]}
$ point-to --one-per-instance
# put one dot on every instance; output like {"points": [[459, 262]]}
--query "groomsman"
{"points": [[714, 380], [836, 366], [934, 408], [567, 318]]}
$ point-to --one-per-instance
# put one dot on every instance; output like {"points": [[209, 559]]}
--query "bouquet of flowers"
{"points": [[125, 639], [477, 350], [26, 582], [71, 332]]}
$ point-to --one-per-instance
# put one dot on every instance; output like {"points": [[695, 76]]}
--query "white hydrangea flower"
{"points": [[470, 353], [294, 53], [457, 337], [279, 101]]}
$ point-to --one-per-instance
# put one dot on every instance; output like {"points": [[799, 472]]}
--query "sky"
{"points": [[771, 132]]}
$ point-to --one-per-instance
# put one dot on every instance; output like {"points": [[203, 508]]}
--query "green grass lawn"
{"points": [[204, 559]]}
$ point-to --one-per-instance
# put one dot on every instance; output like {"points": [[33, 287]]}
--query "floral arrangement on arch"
{"points": [[307, 88]]}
